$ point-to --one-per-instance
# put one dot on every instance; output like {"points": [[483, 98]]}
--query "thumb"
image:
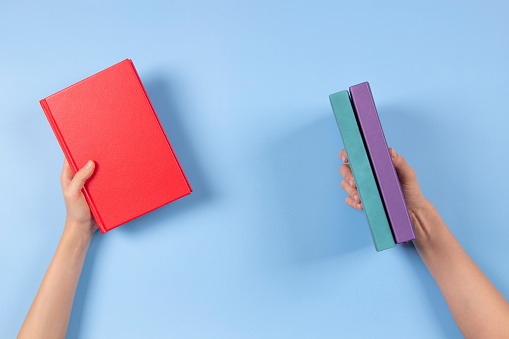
{"points": [[81, 177], [406, 173]]}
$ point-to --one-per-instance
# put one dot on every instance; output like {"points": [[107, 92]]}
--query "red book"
{"points": [[108, 118]]}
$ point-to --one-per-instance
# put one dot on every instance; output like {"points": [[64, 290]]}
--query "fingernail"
{"points": [[358, 205], [343, 158], [355, 197], [394, 154], [351, 183], [89, 164]]}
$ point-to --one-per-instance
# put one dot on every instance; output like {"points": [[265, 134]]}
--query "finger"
{"points": [[351, 191], [81, 177], [66, 176], [352, 203], [406, 173], [346, 172], [343, 156]]}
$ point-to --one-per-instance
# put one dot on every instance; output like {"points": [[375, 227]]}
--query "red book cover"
{"points": [[108, 118]]}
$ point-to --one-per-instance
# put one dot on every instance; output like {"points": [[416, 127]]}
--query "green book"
{"points": [[362, 172]]}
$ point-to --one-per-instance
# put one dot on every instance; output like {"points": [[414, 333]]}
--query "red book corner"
{"points": [[108, 118]]}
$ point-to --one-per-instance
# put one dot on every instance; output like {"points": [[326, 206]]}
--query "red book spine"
{"points": [[72, 163]]}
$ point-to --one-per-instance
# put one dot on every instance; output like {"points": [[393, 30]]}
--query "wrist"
{"points": [[74, 242], [430, 230], [82, 231], [421, 217], [423, 207]]}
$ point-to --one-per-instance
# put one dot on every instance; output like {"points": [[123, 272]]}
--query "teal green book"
{"points": [[362, 172]]}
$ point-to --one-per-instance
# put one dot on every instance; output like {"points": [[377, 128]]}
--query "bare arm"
{"points": [[49, 314], [479, 309]]}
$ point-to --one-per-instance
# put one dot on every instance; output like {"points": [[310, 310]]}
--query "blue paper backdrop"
{"points": [[265, 246]]}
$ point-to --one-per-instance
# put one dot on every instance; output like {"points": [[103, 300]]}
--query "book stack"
{"points": [[371, 164]]}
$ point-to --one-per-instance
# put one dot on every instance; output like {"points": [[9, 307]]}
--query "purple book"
{"points": [[381, 161]]}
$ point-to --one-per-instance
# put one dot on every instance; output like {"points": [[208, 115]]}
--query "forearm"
{"points": [[479, 309], [49, 314]]}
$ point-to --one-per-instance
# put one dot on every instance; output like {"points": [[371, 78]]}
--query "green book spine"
{"points": [[361, 170]]}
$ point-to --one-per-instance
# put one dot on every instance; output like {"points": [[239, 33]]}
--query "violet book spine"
{"points": [[381, 161]]}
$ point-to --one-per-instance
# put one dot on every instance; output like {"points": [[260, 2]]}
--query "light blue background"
{"points": [[265, 246]]}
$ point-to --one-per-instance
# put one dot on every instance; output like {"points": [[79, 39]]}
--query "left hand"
{"points": [[79, 216]]}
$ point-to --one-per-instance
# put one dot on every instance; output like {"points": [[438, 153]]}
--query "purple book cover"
{"points": [[381, 161]]}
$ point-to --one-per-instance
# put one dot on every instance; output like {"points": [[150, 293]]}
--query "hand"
{"points": [[407, 178], [79, 216], [49, 314]]}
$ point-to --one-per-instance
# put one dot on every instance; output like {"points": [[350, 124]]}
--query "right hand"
{"points": [[407, 178]]}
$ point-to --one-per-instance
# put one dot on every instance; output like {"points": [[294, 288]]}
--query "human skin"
{"points": [[479, 309], [49, 314]]}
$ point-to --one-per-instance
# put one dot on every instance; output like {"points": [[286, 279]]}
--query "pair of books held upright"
{"points": [[108, 118], [371, 164]]}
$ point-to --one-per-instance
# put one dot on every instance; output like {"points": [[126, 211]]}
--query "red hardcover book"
{"points": [[108, 118]]}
